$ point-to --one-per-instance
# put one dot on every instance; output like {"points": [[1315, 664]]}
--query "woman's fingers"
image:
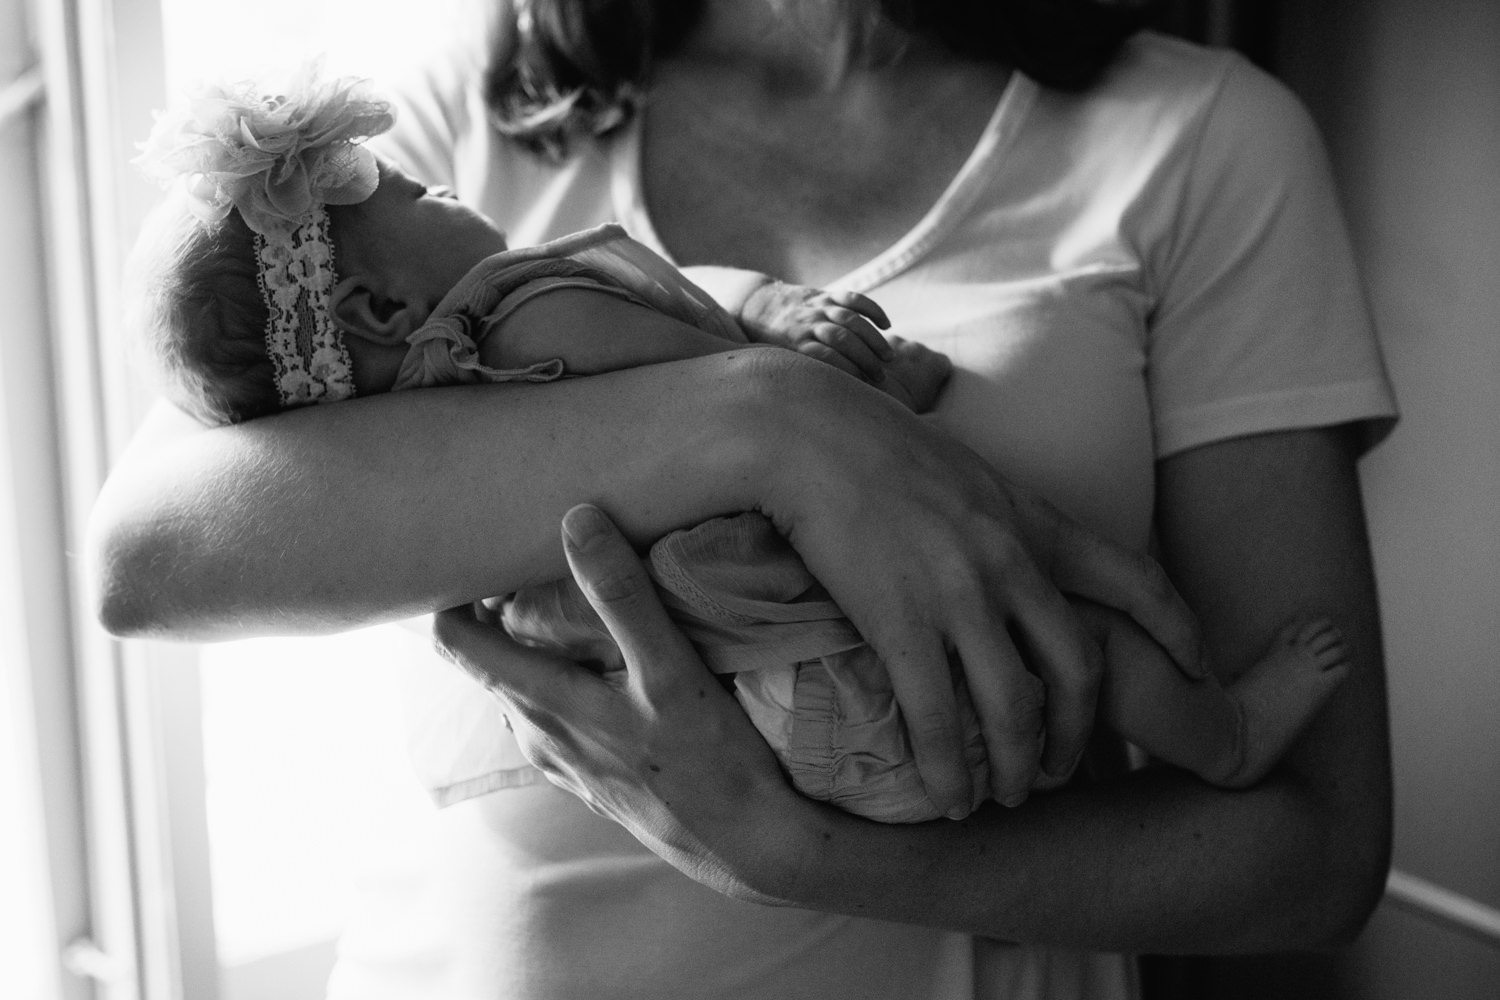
{"points": [[616, 584], [923, 687], [1070, 667], [1008, 700], [1034, 681]]}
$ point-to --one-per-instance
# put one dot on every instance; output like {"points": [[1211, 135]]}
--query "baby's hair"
{"points": [[233, 275], [200, 315]]}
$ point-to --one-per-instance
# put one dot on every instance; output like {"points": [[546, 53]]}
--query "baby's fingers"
{"points": [[861, 328], [822, 352], [864, 306], [845, 336]]}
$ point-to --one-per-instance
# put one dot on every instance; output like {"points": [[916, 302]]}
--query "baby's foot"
{"points": [[916, 374], [1279, 695]]}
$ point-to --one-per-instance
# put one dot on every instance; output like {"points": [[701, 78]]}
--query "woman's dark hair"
{"points": [[564, 69]]}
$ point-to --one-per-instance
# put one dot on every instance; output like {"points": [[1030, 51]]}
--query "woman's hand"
{"points": [[926, 548], [1165, 861], [658, 745]]}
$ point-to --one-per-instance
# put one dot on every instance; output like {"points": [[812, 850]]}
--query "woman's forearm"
{"points": [[390, 506], [1156, 862]]}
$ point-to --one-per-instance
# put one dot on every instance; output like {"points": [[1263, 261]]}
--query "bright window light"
{"points": [[309, 789], [213, 39]]}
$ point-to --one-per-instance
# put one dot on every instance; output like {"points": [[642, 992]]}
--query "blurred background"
{"points": [[203, 822]]}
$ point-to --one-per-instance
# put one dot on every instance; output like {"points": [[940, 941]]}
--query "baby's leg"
{"points": [[1229, 736]]}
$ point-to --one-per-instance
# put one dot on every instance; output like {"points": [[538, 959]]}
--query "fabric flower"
{"points": [[270, 156]]}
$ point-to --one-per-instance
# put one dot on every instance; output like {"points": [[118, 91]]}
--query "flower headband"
{"points": [[279, 160]]}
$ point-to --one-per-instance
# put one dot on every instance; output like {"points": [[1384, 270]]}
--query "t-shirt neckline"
{"points": [[1010, 110]]}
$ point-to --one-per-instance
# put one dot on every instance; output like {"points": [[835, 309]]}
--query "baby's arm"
{"points": [[593, 331]]}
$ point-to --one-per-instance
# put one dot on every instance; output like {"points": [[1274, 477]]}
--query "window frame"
{"points": [[125, 841]]}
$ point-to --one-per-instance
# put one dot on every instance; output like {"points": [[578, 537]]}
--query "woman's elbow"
{"points": [[1353, 898], [1355, 862], [126, 573]]}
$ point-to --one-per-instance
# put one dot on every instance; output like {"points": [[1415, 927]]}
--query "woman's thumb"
{"points": [[617, 585]]}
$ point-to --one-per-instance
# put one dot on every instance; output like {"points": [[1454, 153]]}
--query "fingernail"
{"points": [[582, 524], [1061, 777], [1077, 760], [1014, 800], [957, 812]]}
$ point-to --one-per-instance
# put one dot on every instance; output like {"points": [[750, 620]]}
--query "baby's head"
{"points": [[291, 264]]}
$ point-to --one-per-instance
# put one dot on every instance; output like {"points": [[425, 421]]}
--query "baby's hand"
{"points": [[838, 328], [916, 374]]}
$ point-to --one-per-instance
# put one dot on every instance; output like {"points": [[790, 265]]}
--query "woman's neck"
{"points": [[807, 183], [791, 45]]}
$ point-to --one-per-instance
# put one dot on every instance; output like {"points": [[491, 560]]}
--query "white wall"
{"points": [[1408, 95]]}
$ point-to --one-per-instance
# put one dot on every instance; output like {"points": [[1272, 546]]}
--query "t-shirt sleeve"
{"points": [[1259, 320]]}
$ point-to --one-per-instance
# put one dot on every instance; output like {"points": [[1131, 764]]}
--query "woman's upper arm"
{"points": [[1256, 530], [1261, 324]]}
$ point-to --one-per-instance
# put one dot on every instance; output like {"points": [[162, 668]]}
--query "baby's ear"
{"points": [[363, 310]]}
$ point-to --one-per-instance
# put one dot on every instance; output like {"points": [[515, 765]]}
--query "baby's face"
{"points": [[418, 240]]}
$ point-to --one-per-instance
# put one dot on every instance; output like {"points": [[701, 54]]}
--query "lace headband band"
{"points": [[296, 280]]}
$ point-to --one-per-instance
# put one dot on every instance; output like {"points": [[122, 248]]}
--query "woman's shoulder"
{"points": [[1164, 78], [1168, 105], [1152, 64]]}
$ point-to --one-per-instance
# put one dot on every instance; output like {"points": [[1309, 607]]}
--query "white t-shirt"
{"points": [[1118, 276]]}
